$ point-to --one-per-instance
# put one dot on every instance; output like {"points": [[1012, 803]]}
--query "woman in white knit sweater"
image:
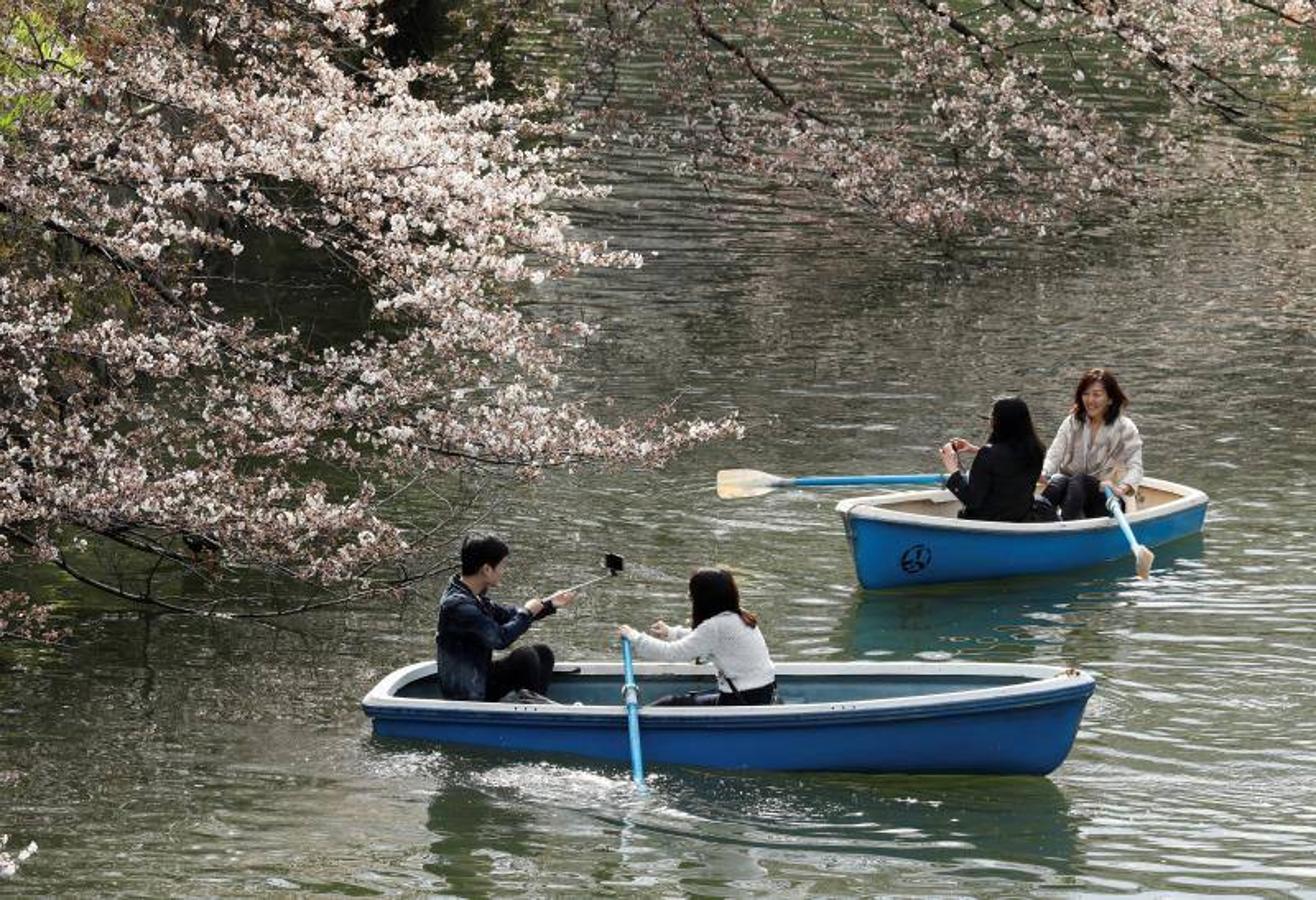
{"points": [[722, 633]]}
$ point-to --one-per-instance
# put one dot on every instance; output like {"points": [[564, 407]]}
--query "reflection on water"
{"points": [[502, 825], [1044, 618]]}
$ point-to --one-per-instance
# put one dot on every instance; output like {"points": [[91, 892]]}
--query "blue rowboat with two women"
{"points": [[952, 717], [911, 538]]}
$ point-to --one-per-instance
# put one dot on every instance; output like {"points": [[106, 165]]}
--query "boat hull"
{"points": [[977, 721], [893, 549]]}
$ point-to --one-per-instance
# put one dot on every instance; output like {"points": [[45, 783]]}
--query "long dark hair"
{"points": [[1012, 424], [1107, 378], [714, 591]]}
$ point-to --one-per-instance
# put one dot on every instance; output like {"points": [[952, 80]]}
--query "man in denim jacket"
{"points": [[471, 627]]}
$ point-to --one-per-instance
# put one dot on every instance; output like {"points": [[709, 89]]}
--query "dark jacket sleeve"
{"points": [[505, 613], [973, 492], [495, 631]]}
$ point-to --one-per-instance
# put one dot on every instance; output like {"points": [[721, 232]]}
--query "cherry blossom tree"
{"points": [[141, 142], [138, 144], [950, 117]]}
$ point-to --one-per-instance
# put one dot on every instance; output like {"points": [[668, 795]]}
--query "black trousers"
{"points": [[530, 668], [1077, 497], [759, 696]]}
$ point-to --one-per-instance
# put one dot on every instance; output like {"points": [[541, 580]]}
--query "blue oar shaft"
{"points": [[631, 693], [1141, 555], [832, 480], [1113, 505]]}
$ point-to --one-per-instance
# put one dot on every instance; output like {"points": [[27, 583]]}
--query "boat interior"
{"points": [[944, 504], [571, 687]]}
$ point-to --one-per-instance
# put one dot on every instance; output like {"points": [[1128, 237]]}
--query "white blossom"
{"points": [[147, 409]]}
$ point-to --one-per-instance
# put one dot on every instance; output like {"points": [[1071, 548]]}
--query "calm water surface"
{"points": [[159, 756]]}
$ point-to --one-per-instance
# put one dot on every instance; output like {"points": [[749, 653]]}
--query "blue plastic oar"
{"points": [[1141, 554], [631, 693], [733, 484]]}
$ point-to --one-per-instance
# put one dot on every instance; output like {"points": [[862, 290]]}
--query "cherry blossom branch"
{"points": [[138, 409], [63, 565], [1155, 52], [701, 24], [1307, 23]]}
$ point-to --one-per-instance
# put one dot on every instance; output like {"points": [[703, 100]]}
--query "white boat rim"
{"points": [[875, 507], [1041, 680]]}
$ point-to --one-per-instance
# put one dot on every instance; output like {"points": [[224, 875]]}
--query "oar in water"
{"points": [[734, 484], [1141, 554], [632, 695]]}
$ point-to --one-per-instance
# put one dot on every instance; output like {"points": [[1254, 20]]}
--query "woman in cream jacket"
{"points": [[1095, 445]]}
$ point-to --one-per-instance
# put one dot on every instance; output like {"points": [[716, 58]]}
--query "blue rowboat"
{"points": [[954, 717], [913, 537]]}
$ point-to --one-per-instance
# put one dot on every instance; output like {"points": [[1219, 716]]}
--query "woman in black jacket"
{"points": [[999, 486]]}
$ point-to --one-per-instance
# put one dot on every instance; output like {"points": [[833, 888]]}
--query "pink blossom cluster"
{"points": [[20, 619], [134, 409], [949, 118]]}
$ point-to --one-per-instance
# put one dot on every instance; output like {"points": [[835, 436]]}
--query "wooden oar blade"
{"points": [[738, 484], [1145, 558]]}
